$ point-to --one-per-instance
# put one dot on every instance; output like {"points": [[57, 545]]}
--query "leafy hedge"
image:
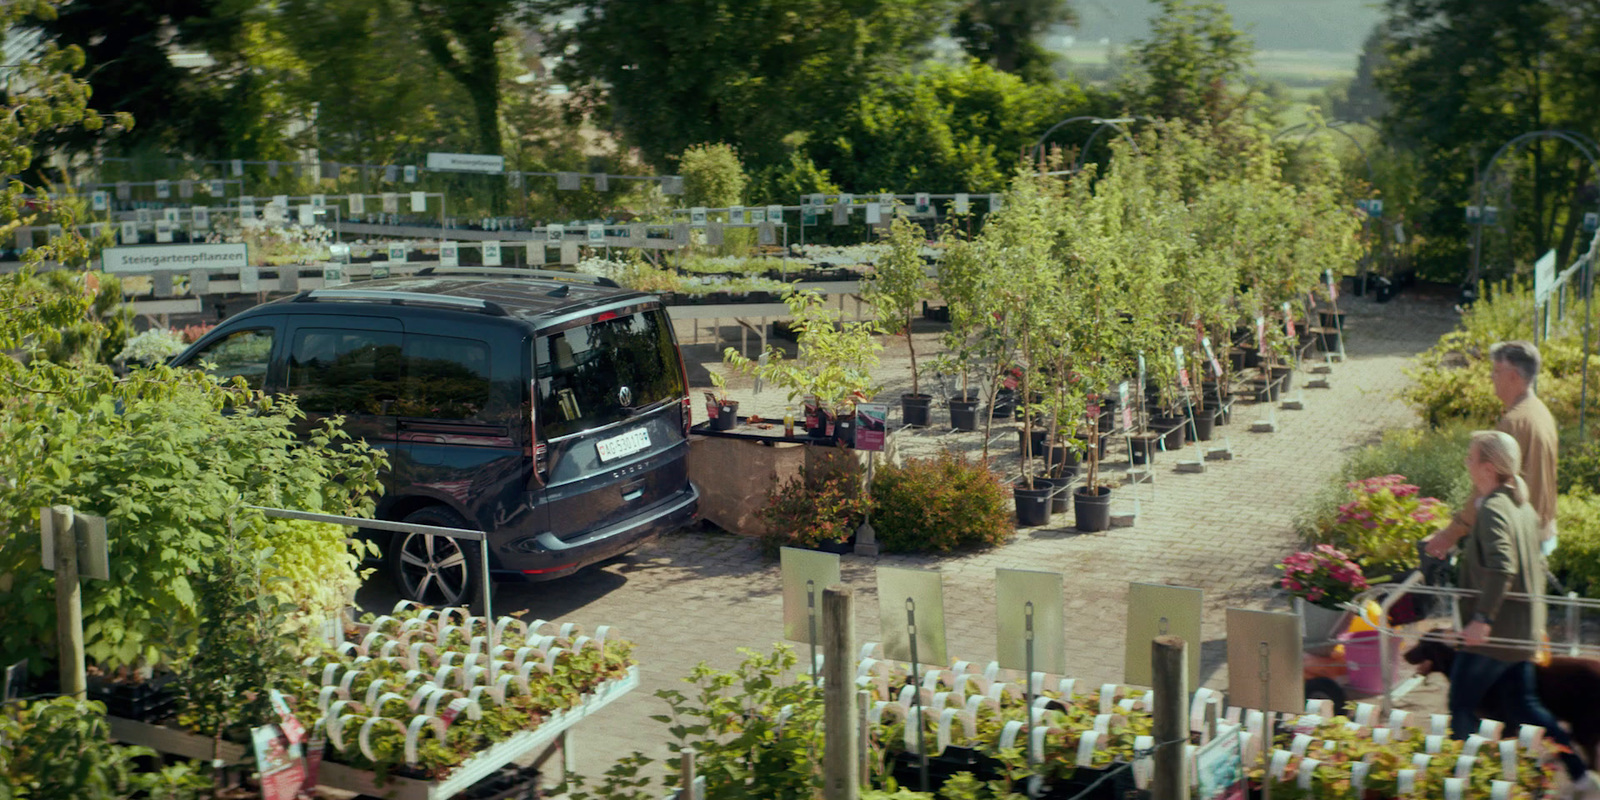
{"points": [[939, 504], [1576, 560]]}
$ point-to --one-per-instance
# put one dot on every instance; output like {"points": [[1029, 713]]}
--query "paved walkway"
{"points": [[699, 596]]}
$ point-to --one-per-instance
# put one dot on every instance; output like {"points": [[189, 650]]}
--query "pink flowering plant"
{"points": [[1324, 576], [1382, 523]]}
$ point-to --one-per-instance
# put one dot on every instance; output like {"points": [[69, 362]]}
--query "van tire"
{"points": [[430, 569]]}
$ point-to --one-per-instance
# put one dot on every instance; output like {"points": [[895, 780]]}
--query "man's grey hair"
{"points": [[1521, 355]]}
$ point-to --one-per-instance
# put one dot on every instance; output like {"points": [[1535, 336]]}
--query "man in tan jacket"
{"points": [[1514, 366]]}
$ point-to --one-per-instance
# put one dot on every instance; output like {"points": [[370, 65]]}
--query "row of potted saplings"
{"points": [[972, 722]]}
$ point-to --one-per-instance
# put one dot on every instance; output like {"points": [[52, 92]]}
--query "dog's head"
{"points": [[1435, 652]]}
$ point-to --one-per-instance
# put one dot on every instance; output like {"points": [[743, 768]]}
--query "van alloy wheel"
{"points": [[434, 569]]}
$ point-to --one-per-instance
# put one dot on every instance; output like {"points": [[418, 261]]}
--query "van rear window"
{"points": [[600, 372]]}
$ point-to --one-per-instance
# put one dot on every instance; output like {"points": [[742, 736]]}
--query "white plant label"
{"points": [[419, 201], [130, 232], [391, 203], [554, 232], [163, 189], [775, 214], [217, 188], [491, 254], [102, 201], [449, 254], [411, 174], [962, 203]]}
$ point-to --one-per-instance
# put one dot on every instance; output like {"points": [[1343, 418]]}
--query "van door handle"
{"points": [[633, 495]]}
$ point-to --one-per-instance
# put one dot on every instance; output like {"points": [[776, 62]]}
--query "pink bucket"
{"points": [[1363, 657]]}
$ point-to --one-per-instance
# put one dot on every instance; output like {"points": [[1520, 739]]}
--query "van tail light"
{"points": [[687, 405]]}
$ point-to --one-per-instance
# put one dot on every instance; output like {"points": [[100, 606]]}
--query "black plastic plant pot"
{"points": [[1092, 508], [1177, 429], [727, 416], [964, 415], [1142, 448], [1287, 374], [818, 428], [1060, 489], [844, 431], [916, 409], [1328, 341], [1033, 505], [1040, 434], [1332, 319], [1064, 454], [1005, 402], [1205, 423]]}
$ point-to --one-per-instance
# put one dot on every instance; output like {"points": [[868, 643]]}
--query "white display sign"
{"points": [[163, 231], [466, 162], [181, 256], [200, 216], [419, 201], [358, 204], [411, 174], [308, 215], [553, 232], [491, 254], [449, 254], [130, 232], [163, 189], [597, 234], [1544, 277], [102, 201]]}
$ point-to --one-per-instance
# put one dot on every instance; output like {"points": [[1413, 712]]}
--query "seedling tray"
{"points": [[470, 772]]}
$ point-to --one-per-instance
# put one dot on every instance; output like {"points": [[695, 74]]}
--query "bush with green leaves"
{"points": [[1576, 560], [939, 504], [817, 506], [1431, 459], [60, 749]]}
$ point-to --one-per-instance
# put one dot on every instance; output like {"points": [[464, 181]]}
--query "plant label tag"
{"points": [[163, 189], [1216, 367], [1183, 377], [419, 201], [1406, 781], [1439, 724], [449, 714], [491, 254], [292, 728], [200, 217], [314, 750], [775, 214], [163, 231], [1299, 745], [1288, 319], [280, 769], [215, 188], [397, 252], [1433, 744], [130, 232], [238, 167], [961, 202], [411, 174], [1333, 286], [1500, 790], [924, 203], [358, 204], [1420, 761], [1508, 759], [874, 214], [449, 254], [1529, 736], [1380, 735], [1108, 694], [1490, 729], [1464, 766], [1261, 334], [1473, 745], [391, 203], [1094, 411], [1127, 417], [1358, 776], [996, 202], [1307, 771], [102, 201], [1280, 763], [1086, 747], [1452, 789], [307, 215]]}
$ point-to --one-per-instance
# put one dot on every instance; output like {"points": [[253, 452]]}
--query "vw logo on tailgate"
{"points": [[625, 397]]}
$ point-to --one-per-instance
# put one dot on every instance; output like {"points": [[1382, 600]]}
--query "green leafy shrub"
{"points": [[939, 504], [1578, 466], [1431, 460], [1382, 523], [1576, 560], [60, 749], [814, 507]]}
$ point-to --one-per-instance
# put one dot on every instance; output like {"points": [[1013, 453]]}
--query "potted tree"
{"points": [[722, 410], [833, 364], [964, 283], [894, 287]]}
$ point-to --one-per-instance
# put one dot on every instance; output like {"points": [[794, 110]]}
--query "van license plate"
{"points": [[625, 445]]}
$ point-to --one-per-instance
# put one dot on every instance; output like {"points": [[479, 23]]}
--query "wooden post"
{"points": [[686, 775], [1168, 659], [69, 603], [840, 765]]}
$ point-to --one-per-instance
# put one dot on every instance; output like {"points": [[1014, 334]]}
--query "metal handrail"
{"points": [[1387, 595]]}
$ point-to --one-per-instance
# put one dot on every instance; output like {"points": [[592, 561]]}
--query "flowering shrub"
{"points": [[1382, 523], [824, 506], [151, 346], [1324, 576]]}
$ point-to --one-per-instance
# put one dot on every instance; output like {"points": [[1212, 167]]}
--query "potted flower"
{"points": [[722, 410], [1321, 580], [893, 288]]}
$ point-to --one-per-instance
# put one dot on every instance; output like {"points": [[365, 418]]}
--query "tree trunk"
{"points": [[911, 347]]}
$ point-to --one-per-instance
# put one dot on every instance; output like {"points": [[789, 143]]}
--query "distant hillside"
{"points": [[1338, 26]]}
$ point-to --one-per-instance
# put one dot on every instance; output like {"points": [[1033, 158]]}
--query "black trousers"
{"points": [[1515, 689]]}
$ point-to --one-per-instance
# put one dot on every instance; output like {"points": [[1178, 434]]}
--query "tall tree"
{"points": [[1467, 76], [1189, 66], [746, 72], [1005, 33], [463, 37]]}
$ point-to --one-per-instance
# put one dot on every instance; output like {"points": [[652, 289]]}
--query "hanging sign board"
{"points": [[449, 254], [911, 608], [805, 574], [179, 256], [553, 232], [1264, 661], [597, 234], [464, 162], [102, 201], [872, 423], [411, 174], [491, 254], [1160, 610], [1028, 604]]}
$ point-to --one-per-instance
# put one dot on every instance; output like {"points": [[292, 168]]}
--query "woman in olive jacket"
{"points": [[1499, 556]]}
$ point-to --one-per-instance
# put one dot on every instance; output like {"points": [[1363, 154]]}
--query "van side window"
{"points": [[345, 371], [444, 378], [244, 354]]}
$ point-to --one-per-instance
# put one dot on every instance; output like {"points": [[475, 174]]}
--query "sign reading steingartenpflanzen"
{"points": [[145, 258], [466, 162]]}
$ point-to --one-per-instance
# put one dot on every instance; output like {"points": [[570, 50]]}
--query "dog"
{"points": [[1568, 687]]}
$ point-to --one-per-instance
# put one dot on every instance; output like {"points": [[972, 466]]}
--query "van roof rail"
{"points": [[403, 299], [547, 274]]}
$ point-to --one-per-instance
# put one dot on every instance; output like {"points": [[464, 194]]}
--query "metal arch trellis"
{"points": [[1100, 124], [1590, 150]]}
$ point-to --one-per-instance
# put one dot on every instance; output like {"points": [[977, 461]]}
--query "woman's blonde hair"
{"points": [[1499, 450]]}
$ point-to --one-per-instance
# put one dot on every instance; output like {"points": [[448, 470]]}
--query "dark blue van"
{"points": [[550, 410]]}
